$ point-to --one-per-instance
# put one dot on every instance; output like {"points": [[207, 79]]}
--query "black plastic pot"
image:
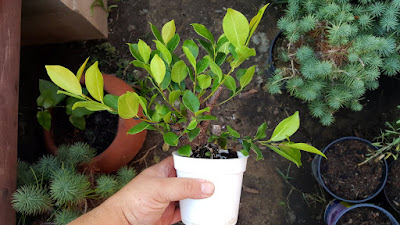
{"points": [[316, 168], [271, 68], [385, 190], [336, 209]]}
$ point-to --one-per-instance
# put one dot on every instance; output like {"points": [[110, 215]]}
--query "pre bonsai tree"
{"points": [[336, 51], [189, 93], [55, 190]]}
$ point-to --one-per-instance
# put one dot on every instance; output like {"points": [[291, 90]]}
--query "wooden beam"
{"points": [[10, 34]]}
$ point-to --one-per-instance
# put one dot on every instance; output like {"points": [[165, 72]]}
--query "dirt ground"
{"points": [[275, 191]]}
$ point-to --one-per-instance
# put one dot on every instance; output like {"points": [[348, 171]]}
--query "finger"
{"points": [[177, 216], [175, 189], [165, 168]]}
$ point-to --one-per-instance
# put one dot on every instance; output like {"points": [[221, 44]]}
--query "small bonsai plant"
{"points": [[336, 51], [54, 189], [189, 88]]}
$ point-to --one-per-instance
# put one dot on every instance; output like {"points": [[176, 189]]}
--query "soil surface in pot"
{"points": [[100, 131], [392, 188], [343, 175], [364, 216], [210, 151]]}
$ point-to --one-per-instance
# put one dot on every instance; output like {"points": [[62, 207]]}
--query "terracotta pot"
{"points": [[124, 146]]}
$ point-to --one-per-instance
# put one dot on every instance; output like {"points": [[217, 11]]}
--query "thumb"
{"points": [[175, 189]]}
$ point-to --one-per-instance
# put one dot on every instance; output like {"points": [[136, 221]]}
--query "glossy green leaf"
{"points": [[158, 69], [247, 77], [90, 105], [78, 112], [244, 152], [236, 27], [288, 153], [202, 65], [167, 80], [189, 56], [221, 41], [261, 131], [224, 48], [144, 51], [243, 53], [230, 83], [168, 31], [185, 151], [255, 21], [220, 58], [49, 96], [138, 128], [78, 122], [134, 49], [192, 124], [206, 109], [179, 72], [70, 94], [81, 69], [190, 101], [305, 147], [94, 82], [192, 134], [143, 103], [173, 96], [140, 64], [191, 45], [128, 105], [233, 132], [257, 150], [166, 55], [167, 118], [207, 46], [286, 127], [111, 101], [203, 31], [173, 43], [65, 79], [204, 81], [156, 33], [44, 119], [207, 117], [215, 68], [171, 138]]}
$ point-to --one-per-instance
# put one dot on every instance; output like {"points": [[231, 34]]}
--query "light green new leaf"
{"points": [[185, 151], [247, 77], [305, 147], [286, 127], [158, 69], [81, 69], [168, 31], [171, 138], [204, 81], [144, 51], [167, 117], [140, 64], [94, 82], [255, 21], [143, 103], [44, 119], [134, 49], [236, 27], [173, 96], [65, 79], [288, 153], [215, 68], [90, 105], [191, 45], [164, 52], [206, 109], [193, 134], [138, 128], [128, 105], [233, 132], [230, 83], [261, 131], [191, 101], [179, 72], [190, 56], [203, 31], [192, 124], [243, 53]]}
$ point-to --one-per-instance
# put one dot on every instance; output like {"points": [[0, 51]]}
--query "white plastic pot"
{"points": [[222, 207]]}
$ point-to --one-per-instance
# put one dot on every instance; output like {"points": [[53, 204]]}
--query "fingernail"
{"points": [[207, 188]]}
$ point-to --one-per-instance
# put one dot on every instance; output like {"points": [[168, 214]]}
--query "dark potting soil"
{"points": [[392, 188], [364, 216], [213, 152], [343, 175], [100, 131]]}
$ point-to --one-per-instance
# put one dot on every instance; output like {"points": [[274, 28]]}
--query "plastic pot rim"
{"points": [[384, 190]]}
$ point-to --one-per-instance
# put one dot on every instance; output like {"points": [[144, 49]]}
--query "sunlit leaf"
{"points": [[94, 82], [168, 31], [236, 27], [286, 127], [65, 79], [158, 69], [128, 105]]}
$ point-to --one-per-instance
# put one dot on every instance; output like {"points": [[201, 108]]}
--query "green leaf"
{"points": [[230, 83], [168, 31], [143, 103], [233, 132], [185, 151], [191, 101], [305, 147], [167, 80], [222, 41], [261, 131], [286, 127], [144, 51], [44, 119], [179, 72], [158, 69], [244, 152], [78, 122], [243, 53], [203, 31], [111, 101], [70, 94], [204, 81], [94, 82], [65, 79], [156, 33], [207, 117], [78, 112], [173, 96], [90, 105], [290, 154], [190, 56], [207, 46], [171, 138], [173, 43], [191, 45], [164, 52], [192, 134], [49, 96], [202, 65], [167, 118], [257, 150], [138, 128], [255, 21], [206, 109], [247, 77], [215, 68], [236, 27], [192, 124], [134, 49], [81, 69], [140, 64], [128, 105], [220, 58]]}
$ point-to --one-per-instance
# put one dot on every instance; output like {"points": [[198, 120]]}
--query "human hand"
{"points": [[150, 198]]}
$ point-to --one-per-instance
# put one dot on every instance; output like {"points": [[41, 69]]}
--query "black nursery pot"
{"points": [[316, 168], [272, 68], [391, 194]]}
